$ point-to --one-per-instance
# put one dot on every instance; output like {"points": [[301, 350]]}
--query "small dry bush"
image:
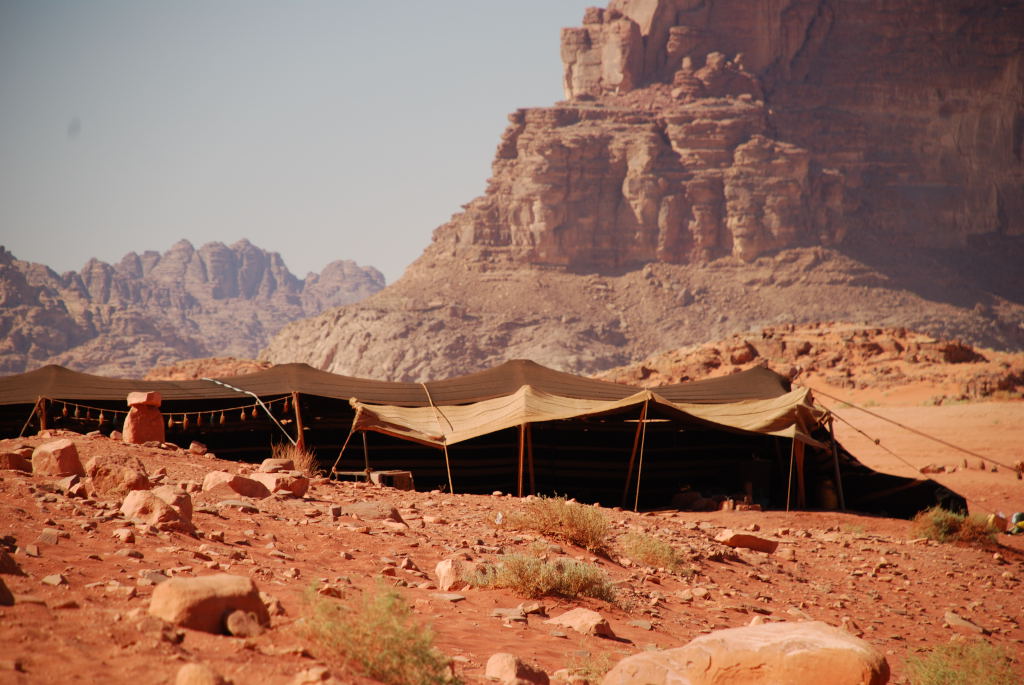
{"points": [[375, 632], [534, 577], [579, 524], [304, 460], [650, 551], [592, 667], [947, 526], [963, 663]]}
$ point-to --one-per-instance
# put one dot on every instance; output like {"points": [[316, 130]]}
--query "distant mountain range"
{"points": [[152, 309]]}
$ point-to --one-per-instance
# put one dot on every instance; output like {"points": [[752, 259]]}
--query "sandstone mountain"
{"points": [[720, 166], [152, 309]]}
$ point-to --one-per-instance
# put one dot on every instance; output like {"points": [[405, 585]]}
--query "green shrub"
{"points": [[579, 524], [960, 663], [533, 577], [650, 551], [947, 526], [375, 632]]}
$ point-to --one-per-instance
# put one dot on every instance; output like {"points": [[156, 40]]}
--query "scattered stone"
{"points": [[508, 668], [117, 474], [243, 624], [31, 550], [642, 624], [954, 620], [129, 552], [49, 536], [198, 674], [792, 653], [244, 507], [277, 465], [311, 676], [448, 596], [54, 580], [374, 511], [57, 458], [223, 482], [451, 575], [197, 448], [584, 621], [12, 461], [124, 535], [731, 538], [144, 507], [293, 483], [178, 499], [144, 422], [204, 603]]}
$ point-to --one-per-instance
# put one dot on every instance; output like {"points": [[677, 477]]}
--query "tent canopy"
{"points": [[791, 415], [59, 383]]}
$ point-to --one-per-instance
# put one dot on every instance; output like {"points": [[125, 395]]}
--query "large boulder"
{"points": [[805, 653], [117, 474], [204, 603], [178, 499], [57, 458], [144, 421]]}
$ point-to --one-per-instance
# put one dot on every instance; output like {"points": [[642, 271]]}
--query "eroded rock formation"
{"points": [[154, 308], [699, 129]]}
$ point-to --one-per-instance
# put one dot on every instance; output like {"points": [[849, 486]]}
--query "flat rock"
{"points": [[373, 511], [584, 621], [805, 653], [224, 482], [12, 461], [731, 538], [287, 483]]}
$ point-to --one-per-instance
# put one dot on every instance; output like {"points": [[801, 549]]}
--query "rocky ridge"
{"points": [[766, 161], [154, 308]]}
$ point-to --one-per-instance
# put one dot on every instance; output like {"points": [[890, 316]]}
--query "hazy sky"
{"points": [[322, 130]]}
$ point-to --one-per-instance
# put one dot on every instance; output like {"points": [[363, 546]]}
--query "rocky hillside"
{"points": [[153, 308], [720, 166]]}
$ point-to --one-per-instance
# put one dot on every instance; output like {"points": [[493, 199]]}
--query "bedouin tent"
{"points": [[581, 436]]}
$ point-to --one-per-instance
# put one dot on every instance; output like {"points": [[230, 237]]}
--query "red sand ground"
{"points": [[867, 573]]}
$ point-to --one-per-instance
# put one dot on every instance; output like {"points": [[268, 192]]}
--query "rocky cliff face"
{"points": [[878, 146], [156, 308]]}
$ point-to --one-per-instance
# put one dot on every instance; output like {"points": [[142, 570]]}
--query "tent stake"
{"points": [[301, 442], [529, 457], [519, 471], [366, 457], [632, 455], [640, 467]]}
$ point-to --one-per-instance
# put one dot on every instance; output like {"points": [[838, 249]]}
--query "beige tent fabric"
{"points": [[792, 415]]}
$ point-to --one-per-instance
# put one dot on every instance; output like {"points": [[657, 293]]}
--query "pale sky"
{"points": [[320, 130]]}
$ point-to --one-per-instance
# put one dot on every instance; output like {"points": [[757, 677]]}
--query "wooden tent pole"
{"points": [[42, 414], [519, 471], [835, 464], [35, 408], [789, 481], [640, 467], [366, 456], [343, 446], [529, 457], [632, 455], [448, 466], [801, 491], [300, 440]]}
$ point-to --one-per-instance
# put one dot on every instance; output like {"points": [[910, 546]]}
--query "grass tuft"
{"points": [[579, 524], [304, 460], [650, 551], [375, 632], [946, 526], [534, 577], [963, 663]]}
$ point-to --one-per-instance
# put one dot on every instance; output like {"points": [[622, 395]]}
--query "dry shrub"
{"points": [[304, 460], [650, 551], [374, 632], [534, 577], [579, 524], [947, 526], [963, 663]]}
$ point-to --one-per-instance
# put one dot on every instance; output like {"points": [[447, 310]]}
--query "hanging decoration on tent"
{"points": [[184, 422], [287, 405], [102, 419], [223, 420], [199, 419], [64, 410]]}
